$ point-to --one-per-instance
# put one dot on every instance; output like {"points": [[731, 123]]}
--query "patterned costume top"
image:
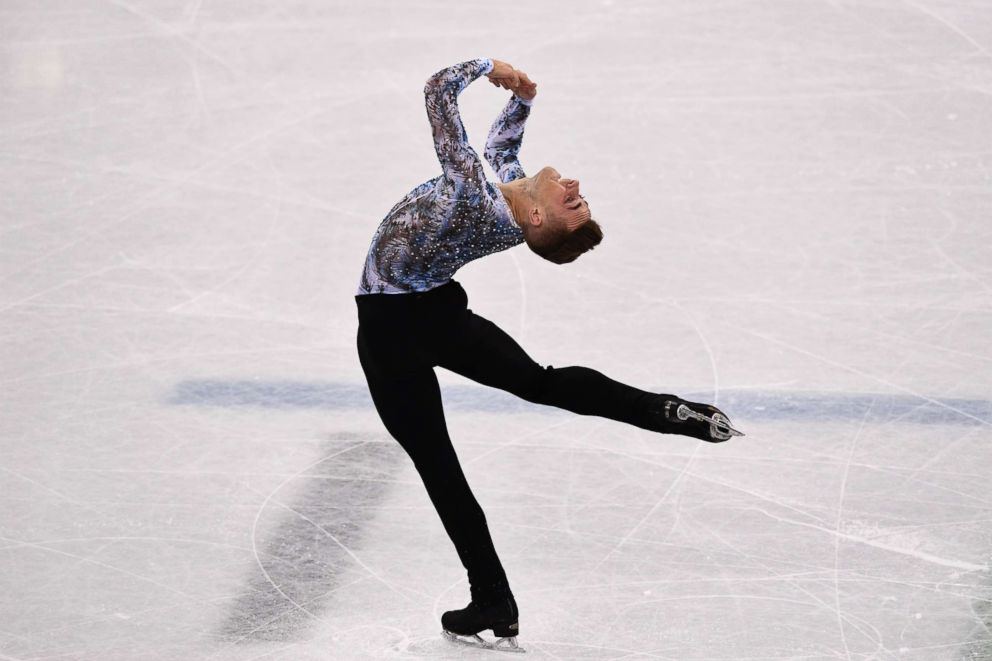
{"points": [[455, 218]]}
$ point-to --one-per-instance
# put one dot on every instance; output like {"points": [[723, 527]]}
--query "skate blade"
{"points": [[719, 425], [499, 645]]}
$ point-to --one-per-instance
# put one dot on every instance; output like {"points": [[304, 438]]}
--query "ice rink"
{"points": [[796, 197]]}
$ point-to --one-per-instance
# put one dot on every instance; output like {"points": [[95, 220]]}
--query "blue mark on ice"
{"points": [[739, 404], [840, 406]]}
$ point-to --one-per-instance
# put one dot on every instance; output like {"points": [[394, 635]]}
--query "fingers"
{"points": [[509, 82], [516, 81], [526, 88]]}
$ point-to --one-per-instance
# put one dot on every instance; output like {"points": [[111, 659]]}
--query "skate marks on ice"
{"points": [[979, 645], [437, 646], [304, 539], [753, 405]]}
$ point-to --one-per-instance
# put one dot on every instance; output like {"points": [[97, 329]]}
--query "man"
{"points": [[414, 317]]}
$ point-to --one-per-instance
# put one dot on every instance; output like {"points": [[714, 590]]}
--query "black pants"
{"points": [[402, 337]]}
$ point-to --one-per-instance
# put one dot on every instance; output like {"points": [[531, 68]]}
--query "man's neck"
{"points": [[518, 198]]}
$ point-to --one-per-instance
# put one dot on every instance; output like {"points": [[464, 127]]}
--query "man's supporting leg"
{"points": [[481, 351], [409, 404]]}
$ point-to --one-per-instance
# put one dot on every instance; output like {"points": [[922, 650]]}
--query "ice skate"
{"points": [[719, 423], [500, 616], [505, 644], [701, 421]]}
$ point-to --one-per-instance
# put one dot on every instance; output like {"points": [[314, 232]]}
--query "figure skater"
{"points": [[413, 317]]}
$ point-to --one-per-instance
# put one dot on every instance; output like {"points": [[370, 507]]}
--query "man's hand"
{"points": [[526, 89], [505, 76]]}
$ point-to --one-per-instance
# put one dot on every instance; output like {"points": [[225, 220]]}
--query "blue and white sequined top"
{"points": [[455, 218]]}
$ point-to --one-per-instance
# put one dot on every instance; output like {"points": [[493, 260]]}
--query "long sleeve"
{"points": [[446, 222], [504, 140], [458, 160]]}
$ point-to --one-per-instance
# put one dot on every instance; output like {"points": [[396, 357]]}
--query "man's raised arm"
{"points": [[504, 140], [458, 159], [507, 131]]}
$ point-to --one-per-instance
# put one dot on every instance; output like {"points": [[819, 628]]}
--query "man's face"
{"points": [[562, 202]]}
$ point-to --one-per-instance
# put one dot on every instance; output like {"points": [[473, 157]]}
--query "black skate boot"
{"points": [[498, 614], [674, 415]]}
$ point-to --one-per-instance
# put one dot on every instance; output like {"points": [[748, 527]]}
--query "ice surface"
{"points": [[796, 200]]}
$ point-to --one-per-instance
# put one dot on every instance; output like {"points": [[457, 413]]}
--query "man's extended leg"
{"points": [[409, 404], [478, 349], [481, 351]]}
